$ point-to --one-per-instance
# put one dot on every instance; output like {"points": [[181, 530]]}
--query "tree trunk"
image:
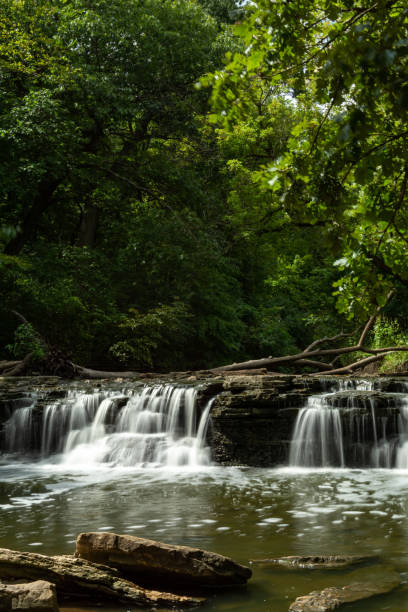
{"points": [[31, 219], [88, 227]]}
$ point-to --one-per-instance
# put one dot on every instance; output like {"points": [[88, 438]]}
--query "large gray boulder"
{"points": [[138, 557], [38, 596]]}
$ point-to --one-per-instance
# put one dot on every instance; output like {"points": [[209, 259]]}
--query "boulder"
{"points": [[334, 597], [325, 562], [138, 557], [38, 596]]}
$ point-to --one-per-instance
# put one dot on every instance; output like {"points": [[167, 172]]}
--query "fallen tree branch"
{"points": [[20, 367], [310, 355], [349, 369], [6, 365], [89, 373], [328, 339]]}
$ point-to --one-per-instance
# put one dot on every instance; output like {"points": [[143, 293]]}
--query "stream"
{"points": [[242, 512], [245, 513]]}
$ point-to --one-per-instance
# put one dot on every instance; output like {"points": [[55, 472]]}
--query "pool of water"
{"points": [[245, 513]]}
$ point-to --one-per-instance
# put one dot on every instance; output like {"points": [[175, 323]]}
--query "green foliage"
{"points": [[26, 341], [389, 332], [224, 11], [152, 338], [344, 68], [139, 228]]}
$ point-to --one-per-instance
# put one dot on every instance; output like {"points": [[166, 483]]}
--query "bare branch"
{"points": [[349, 369], [328, 339]]}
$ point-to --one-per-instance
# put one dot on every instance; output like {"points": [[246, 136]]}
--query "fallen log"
{"points": [[6, 365], [89, 373], [311, 356], [80, 577]]}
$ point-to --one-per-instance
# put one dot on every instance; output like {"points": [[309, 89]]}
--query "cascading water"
{"points": [[345, 427], [153, 425], [317, 438]]}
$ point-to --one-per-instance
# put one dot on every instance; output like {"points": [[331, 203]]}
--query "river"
{"points": [[246, 513], [136, 461]]}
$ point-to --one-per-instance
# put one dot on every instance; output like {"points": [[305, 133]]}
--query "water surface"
{"points": [[245, 513]]}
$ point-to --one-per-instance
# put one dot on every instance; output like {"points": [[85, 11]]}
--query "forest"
{"points": [[190, 183]]}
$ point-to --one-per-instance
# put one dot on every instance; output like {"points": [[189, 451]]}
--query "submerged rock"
{"points": [[334, 597], [326, 562], [150, 559], [38, 596]]}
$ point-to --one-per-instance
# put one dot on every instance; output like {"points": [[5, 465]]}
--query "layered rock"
{"points": [[253, 419], [138, 557]]}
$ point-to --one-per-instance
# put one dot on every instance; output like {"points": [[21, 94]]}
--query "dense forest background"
{"points": [[188, 183]]}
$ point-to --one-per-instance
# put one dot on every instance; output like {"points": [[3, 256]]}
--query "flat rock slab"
{"points": [[77, 577], [178, 564], [325, 562], [334, 597], [38, 596]]}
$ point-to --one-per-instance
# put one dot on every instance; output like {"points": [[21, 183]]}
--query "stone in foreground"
{"points": [[153, 560], [77, 577], [334, 597], [38, 596], [326, 562]]}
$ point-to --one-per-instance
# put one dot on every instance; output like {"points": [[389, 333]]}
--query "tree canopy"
{"points": [[185, 183], [344, 68]]}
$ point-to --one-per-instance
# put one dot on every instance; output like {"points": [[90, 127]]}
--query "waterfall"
{"points": [[18, 430], [402, 451], [356, 424], [152, 425], [317, 438]]}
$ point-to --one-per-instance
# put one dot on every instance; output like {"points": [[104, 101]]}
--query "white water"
{"points": [[323, 433], [18, 429], [317, 438], [159, 425]]}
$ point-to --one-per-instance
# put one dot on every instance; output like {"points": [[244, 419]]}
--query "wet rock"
{"points": [[326, 562], [334, 597], [178, 564], [79, 578], [38, 596]]}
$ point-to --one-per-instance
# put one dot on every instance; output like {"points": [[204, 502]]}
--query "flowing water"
{"points": [[149, 425], [344, 427], [136, 462]]}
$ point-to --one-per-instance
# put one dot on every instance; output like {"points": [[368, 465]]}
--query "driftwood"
{"points": [[73, 576]]}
